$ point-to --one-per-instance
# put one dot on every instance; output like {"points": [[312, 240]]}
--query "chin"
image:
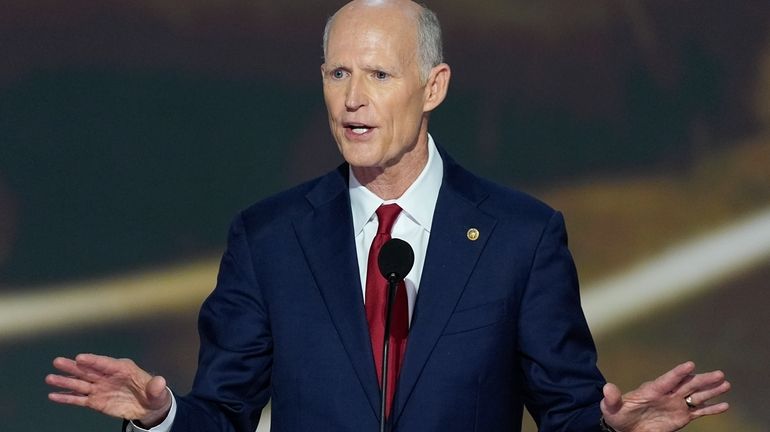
{"points": [[358, 155], [361, 161]]}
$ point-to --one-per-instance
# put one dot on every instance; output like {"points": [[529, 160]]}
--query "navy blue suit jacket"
{"points": [[497, 322]]}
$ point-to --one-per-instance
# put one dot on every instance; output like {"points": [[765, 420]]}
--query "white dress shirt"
{"points": [[412, 225]]}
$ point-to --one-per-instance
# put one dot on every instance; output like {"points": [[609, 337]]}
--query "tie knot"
{"points": [[386, 216]]}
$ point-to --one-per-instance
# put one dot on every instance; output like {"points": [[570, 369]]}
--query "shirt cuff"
{"points": [[165, 426]]}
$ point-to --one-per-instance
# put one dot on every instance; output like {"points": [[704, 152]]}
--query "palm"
{"points": [[659, 405], [116, 387], [651, 409]]}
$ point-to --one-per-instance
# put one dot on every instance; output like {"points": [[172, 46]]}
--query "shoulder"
{"points": [[500, 201], [294, 202]]}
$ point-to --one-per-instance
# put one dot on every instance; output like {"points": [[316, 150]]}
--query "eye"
{"points": [[380, 75], [338, 74]]}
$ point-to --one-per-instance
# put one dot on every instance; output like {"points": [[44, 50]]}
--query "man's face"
{"points": [[372, 87]]}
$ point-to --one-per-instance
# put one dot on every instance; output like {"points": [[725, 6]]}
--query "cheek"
{"points": [[409, 115], [332, 99], [402, 109]]}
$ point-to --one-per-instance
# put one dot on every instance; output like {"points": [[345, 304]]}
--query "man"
{"points": [[492, 306]]}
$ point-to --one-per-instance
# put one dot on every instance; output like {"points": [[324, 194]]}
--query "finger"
{"points": [[68, 399], [701, 381], [70, 367], [99, 363], [711, 409], [65, 365], [674, 378], [684, 382], [72, 384], [704, 395], [613, 399]]}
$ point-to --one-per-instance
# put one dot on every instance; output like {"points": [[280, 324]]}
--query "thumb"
{"points": [[613, 399], [158, 400], [156, 392]]}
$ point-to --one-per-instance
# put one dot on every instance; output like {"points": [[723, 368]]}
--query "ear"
{"points": [[436, 87], [323, 71]]}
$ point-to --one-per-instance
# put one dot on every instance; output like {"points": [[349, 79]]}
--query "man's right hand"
{"points": [[116, 387]]}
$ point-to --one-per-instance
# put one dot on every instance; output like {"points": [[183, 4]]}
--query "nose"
{"points": [[355, 96]]}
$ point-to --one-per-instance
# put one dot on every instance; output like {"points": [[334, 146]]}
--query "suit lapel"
{"points": [[327, 239], [450, 260]]}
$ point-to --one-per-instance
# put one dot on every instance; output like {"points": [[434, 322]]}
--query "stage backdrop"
{"points": [[131, 132]]}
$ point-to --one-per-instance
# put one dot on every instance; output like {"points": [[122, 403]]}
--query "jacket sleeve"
{"points": [[232, 384], [558, 357]]}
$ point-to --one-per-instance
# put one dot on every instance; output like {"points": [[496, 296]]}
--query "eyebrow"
{"points": [[367, 67], [372, 67]]}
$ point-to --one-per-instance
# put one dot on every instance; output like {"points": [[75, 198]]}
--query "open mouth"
{"points": [[358, 128]]}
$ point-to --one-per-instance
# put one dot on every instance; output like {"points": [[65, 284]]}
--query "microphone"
{"points": [[395, 260]]}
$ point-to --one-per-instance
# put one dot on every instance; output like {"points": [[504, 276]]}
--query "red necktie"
{"points": [[376, 304]]}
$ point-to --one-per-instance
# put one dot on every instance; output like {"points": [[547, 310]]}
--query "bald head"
{"points": [[426, 34]]}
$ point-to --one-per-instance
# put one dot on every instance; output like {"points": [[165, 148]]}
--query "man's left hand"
{"points": [[667, 403]]}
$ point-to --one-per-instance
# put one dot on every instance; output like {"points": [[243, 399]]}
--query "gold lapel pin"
{"points": [[473, 234]]}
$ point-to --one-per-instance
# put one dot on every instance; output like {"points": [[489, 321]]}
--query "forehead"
{"points": [[372, 32]]}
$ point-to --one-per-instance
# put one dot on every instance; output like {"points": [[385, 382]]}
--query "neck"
{"points": [[392, 181]]}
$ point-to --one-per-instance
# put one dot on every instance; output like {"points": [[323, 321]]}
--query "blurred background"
{"points": [[131, 133]]}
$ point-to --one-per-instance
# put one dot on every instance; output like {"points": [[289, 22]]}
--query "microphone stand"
{"points": [[392, 283], [395, 260]]}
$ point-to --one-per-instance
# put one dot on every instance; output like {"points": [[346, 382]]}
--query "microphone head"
{"points": [[396, 258]]}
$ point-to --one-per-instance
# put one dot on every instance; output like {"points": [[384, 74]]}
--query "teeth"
{"points": [[360, 130]]}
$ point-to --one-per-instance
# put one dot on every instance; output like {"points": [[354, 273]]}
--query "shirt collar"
{"points": [[418, 202]]}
